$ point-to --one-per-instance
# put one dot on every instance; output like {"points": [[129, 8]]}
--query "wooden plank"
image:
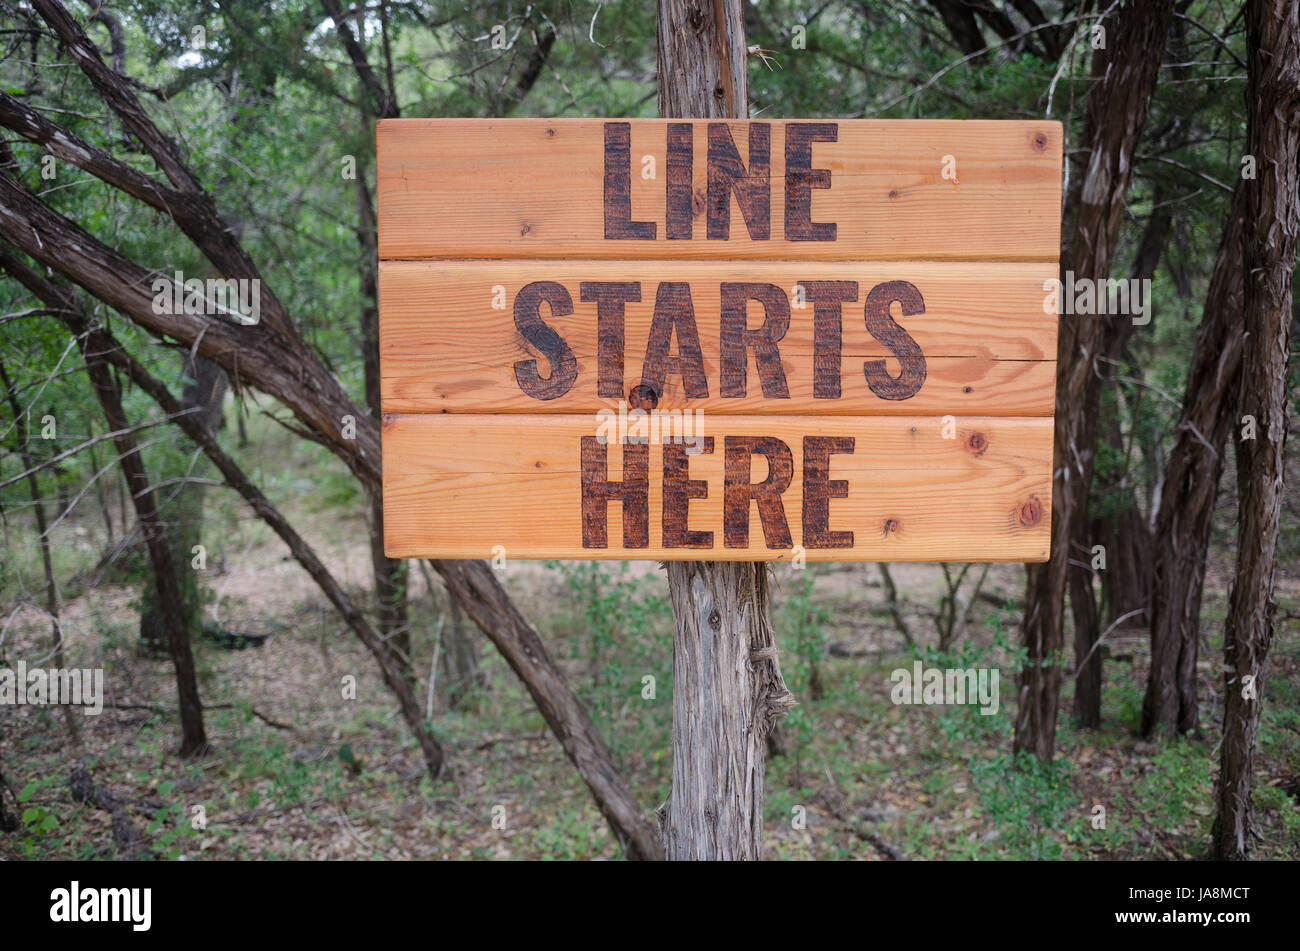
{"points": [[449, 341], [458, 486], [536, 188]]}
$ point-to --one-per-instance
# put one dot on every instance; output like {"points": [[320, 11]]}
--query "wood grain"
{"points": [[989, 348], [536, 188], [457, 486], [532, 279]]}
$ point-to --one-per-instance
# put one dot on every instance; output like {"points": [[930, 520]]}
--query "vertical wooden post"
{"points": [[727, 685]]}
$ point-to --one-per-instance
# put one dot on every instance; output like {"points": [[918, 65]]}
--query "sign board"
{"points": [[742, 340]]}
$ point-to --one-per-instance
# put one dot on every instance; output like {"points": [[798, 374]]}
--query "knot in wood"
{"points": [[1031, 511], [643, 397]]}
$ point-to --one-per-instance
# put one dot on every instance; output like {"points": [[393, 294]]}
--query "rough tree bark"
{"points": [[1191, 482], [1124, 78], [1272, 232], [391, 574], [1121, 530], [727, 686]]}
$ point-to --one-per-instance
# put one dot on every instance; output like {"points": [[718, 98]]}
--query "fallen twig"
{"points": [[164, 711]]}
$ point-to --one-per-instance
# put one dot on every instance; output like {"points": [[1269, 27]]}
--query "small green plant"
{"points": [[804, 622], [38, 822], [621, 632], [1028, 801], [171, 826]]}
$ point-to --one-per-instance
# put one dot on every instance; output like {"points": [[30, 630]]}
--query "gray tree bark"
{"points": [[1122, 530], [727, 685], [1272, 233], [1182, 533]]}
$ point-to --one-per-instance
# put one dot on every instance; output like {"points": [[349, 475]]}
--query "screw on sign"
{"points": [[811, 299]]}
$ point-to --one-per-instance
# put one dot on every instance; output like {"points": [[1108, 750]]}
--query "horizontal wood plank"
{"points": [[459, 486], [536, 188], [450, 343]]}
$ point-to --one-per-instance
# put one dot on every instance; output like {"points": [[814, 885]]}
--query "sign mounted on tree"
{"points": [[671, 339]]}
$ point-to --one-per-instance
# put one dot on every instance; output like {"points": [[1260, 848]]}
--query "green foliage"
{"points": [[620, 629], [38, 822], [802, 623], [1028, 800]]}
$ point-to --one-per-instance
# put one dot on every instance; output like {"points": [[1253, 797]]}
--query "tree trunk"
{"points": [[1120, 530], [459, 659], [21, 436], [204, 391], [393, 674], [101, 492], [1124, 77], [172, 615], [727, 686], [1126, 584], [1087, 658], [390, 573], [727, 691], [1272, 231], [895, 609], [1191, 482]]}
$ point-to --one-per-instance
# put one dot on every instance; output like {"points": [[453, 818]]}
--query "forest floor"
{"points": [[856, 775]]}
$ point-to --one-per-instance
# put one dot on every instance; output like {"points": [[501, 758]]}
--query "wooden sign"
{"points": [[670, 339]]}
